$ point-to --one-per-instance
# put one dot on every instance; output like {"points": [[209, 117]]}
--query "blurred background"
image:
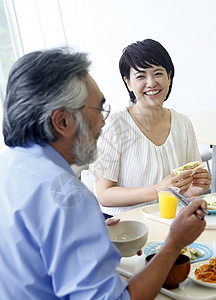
{"points": [[186, 28]]}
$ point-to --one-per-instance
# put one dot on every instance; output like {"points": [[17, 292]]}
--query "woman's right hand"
{"points": [[182, 181]]}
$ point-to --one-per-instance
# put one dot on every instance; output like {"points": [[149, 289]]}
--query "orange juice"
{"points": [[167, 203]]}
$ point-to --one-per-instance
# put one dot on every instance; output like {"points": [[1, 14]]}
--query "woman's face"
{"points": [[150, 85]]}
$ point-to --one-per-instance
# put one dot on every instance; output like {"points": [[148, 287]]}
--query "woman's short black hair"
{"points": [[144, 54]]}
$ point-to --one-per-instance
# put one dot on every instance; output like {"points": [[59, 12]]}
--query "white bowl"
{"points": [[128, 236]]}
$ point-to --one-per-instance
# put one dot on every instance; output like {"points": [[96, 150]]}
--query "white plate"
{"points": [[152, 212], [192, 275]]}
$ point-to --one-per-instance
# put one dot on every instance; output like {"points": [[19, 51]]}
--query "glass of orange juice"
{"points": [[167, 202]]}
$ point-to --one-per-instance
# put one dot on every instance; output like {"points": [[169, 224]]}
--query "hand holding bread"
{"points": [[191, 166]]}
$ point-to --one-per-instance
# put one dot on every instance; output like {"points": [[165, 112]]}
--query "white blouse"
{"points": [[128, 157]]}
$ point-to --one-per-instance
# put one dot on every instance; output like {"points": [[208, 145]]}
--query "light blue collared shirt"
{"points": [[54, 242]]}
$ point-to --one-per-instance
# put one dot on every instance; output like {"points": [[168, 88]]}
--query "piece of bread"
{"points": [[192, 166]]}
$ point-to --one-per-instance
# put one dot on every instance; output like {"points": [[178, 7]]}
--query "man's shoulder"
{"points": [[34, 161]]}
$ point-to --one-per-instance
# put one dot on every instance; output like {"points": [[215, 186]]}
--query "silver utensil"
{"points": [[185, 202]]}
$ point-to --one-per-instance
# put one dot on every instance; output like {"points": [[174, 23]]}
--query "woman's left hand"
{"points": [[200, 184]]}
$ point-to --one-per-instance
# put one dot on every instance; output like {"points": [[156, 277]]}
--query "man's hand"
{"points": [[187, 226], [112, 221]]}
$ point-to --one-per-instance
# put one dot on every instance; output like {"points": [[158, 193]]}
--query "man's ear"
{"points": [[63, 122]]}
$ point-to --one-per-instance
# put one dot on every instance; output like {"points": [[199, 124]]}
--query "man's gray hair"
{"points": [[39, 83]]}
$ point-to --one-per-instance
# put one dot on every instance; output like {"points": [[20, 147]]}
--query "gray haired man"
{"points": [[54, 241]]}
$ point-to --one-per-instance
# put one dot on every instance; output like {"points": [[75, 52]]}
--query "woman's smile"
{"points": [[152, 93]]}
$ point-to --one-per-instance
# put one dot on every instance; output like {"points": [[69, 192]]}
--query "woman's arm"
{"points": [[111, 195]]}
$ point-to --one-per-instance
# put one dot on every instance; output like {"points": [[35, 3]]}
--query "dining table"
{"points": [[204, 123], [158, 231]]}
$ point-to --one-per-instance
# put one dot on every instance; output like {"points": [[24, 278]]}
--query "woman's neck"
{"points": [[147, 117], [155, 124]]}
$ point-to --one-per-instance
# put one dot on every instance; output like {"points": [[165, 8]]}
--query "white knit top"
{"points": [[128, 157]]}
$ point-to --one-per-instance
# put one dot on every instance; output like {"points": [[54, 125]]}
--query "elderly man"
{"points": [[53, 238]]}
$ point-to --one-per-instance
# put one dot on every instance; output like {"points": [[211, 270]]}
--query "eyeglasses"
{"points": [[105, 111]]}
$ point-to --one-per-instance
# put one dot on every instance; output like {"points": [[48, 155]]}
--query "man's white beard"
{"points": [[84, 152], [85, 146]]}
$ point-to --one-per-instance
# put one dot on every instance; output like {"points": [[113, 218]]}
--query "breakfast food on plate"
{"points": [[211, 201], [192, 166], [192, 253], [207, 272]]}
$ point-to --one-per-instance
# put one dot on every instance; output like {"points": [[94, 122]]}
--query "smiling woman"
{"points": [[141, 145], [148, 83], [132, 68]]}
